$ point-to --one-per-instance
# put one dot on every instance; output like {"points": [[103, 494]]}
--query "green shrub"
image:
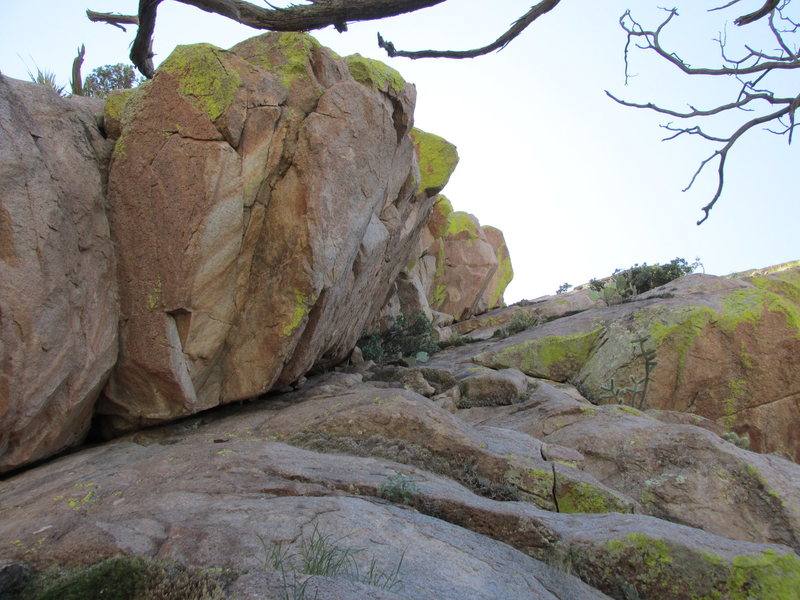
{"points": [[399, 489], [409, 336], [563, 288], [638, 279], [519, 322]]}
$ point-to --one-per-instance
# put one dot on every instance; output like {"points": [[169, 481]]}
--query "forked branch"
{"points": [[750, 70]]}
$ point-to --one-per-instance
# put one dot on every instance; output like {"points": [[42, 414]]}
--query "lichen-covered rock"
{"points": [[58, 292], [218, 494], [460, 268], [437, 161], [678, 472], [727, 349], [493, 388], [263, 202]]}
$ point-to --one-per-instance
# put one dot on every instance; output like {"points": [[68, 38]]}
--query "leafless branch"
{"points": [[112, 19], [768, 7], [650, 40], [724, 6], [300, 17], [750, 71], [516, 28]]}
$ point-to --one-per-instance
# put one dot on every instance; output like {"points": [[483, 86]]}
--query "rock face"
{"points": [[460, 268], [410, 486], [263, 201], [728, 349], [58, 292]]}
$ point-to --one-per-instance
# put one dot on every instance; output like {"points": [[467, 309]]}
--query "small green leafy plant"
{"points": [[398, 488]]}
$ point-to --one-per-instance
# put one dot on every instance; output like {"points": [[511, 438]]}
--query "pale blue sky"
{"points": [[579, 185]]}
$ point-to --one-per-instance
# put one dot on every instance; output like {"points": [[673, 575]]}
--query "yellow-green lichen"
{"points": [[551, 357], [206, 78], [461, 222], [535, 485], [154, 296], [581, 497], [112, 110], [767, 576], [302, 306], [503, 275], [439, 293], [749, 306], [631, 411], [437, 160], [682, 326], [294, 52], [736, 390], [374, 74]]}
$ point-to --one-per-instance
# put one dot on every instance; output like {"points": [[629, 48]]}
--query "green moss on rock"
{"points": [[460, 222], [551, 357], [437, 160], [204, 79], [581, 497], [374, 74], [656, 568]]}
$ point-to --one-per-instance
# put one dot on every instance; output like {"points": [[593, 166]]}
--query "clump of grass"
{"points": [[322, 555], [519, 322]]}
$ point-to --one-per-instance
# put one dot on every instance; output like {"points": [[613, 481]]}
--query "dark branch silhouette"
{"points": [[750, 70]]}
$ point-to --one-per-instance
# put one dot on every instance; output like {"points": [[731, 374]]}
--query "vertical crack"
{"points": [[555, 486]]}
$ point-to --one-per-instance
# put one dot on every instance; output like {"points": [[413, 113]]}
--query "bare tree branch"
{"points": [[76, 83], [112, 19], [301, 17], [750, 71], [768, 7], [650, 40], [516, 28]]}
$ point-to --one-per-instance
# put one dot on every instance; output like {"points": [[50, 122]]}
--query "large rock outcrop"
{"points": [[397, 477], [728, 348], [263, 201], [58, 290]]}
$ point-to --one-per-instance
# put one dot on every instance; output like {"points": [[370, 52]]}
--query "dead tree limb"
{"points": [[112, 19], [516, 28], [300, 17], [76, 83]]}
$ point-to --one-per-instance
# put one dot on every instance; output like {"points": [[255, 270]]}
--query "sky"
{"points": [[578, 184]]}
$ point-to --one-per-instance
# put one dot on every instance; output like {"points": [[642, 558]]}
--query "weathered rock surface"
{"points": [[679, 472], [728, 349], [218, 491], [58, 292], [461, 268], [263, 201]]}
